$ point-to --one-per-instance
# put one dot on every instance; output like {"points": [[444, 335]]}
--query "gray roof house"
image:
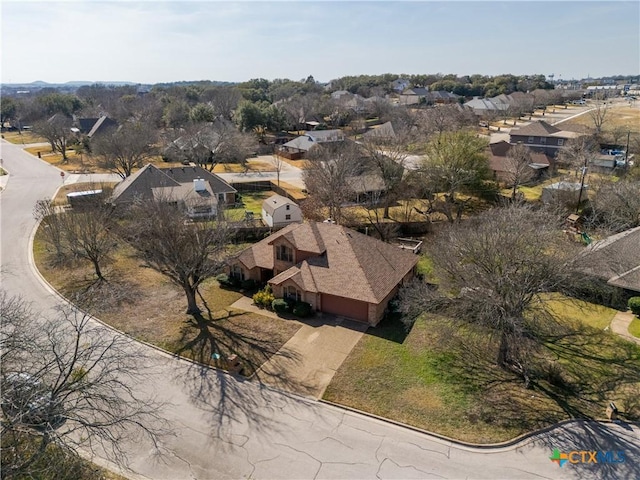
{"points": [[615, 261], [199, 191], [301, 145]]}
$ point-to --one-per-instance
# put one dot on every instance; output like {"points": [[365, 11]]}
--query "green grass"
{"points": [[596, 316], [425, 266], [634, 327], [443, 377]]}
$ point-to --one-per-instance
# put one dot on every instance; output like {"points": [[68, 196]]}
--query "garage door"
{"points": [[345, 307]]}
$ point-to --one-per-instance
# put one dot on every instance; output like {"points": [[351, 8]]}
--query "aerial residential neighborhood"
{"points": [[240, 249]]}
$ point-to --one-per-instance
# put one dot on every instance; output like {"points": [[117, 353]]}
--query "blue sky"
{"points": [[151, 42]]}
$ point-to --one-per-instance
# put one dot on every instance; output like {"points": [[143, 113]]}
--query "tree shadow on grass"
{"points": [[575, 375]]}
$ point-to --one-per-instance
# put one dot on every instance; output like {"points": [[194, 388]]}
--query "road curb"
{"points": [[514, 443]]}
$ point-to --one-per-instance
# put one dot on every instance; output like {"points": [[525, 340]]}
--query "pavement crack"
{"points": [[332, 438], [378, 449], [430, 450], [405, 466], [304, 453]]}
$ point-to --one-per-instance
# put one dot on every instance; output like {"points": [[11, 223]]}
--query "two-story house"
{"points": [[337, 270], [542, 137]]}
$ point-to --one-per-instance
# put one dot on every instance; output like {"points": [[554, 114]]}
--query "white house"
{"points": [[278, 211]]}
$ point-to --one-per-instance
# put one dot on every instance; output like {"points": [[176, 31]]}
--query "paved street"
{"points": [[227, 428]]}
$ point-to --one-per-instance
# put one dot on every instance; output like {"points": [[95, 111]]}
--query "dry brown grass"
{"points": [[22, 138], [296, 193], [146, 305], [622, 117], [61, 195]]}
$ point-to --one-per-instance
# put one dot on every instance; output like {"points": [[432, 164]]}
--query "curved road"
{"points": [[223, 427]]}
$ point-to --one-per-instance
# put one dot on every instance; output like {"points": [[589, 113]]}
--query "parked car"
{"points": [[27, 400], [579, 102]]}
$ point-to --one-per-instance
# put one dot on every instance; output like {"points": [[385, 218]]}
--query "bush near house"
{"points": [[302, 309], [280, 305], [634, 305], [264, 298]]}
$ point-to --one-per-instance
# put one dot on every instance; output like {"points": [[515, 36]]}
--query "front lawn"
{"points": [[634, 327], [443, 378], [144, 304]]}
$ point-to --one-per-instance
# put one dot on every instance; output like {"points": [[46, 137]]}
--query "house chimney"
{"points": [[199, 185]]}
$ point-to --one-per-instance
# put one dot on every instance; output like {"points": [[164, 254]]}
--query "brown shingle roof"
{"points": [[141, 184], [350, 264], [615, 259], [536, 129]]}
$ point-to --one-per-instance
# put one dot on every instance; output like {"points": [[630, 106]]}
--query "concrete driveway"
{"points": [[306, 364], [226, 428]]}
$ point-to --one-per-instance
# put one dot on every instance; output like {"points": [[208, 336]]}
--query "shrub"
{"points": [[634, 305], [280, 305], [223, 279], [248, 284], [302, 309], [264, 298]]}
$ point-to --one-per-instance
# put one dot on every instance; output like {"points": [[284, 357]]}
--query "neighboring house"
{"points": [[300, 146], [92, 127], [199, 192], [414, 95], [400, 84], [542, 137], [279, 211], [484, 107], [382, 132], [337, 270], [615, 261], [502, 166], [367, 187]]}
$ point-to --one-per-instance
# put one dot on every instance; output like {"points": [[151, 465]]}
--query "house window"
{"points": [[292, 293], [287, 217], [530, 140], [560, 142], [288, 207], [543, 140], [284, 253]]}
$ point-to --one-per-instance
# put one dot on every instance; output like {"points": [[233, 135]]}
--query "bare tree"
{"points": [[209, 144], [224, 100], [57, 131], [327, 176], [186, 253], [278, 164], [67, 385], [87, 235], [52, 228], [598, 112], [615, 206], [125, 148], [518, 166], [386, 157], [492, 271]]}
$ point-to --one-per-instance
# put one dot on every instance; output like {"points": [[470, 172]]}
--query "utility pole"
{"points": [[626, 151], [584, 173]]}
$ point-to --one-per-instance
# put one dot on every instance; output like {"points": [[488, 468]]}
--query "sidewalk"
{"points": [[620, 326], [307, 363]]}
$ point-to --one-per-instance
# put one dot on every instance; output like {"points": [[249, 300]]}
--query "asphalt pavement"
{"points": [[228, 428]]}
